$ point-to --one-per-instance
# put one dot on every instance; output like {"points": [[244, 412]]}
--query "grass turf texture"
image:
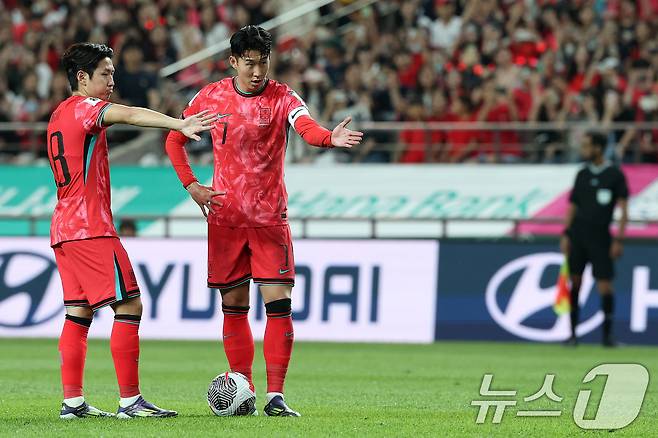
{"points": [[340, 389]]}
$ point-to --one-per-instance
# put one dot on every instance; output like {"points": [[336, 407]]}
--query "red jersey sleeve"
{"points": [[312, 132], [300, 119], [294, 106], [90, 112]]}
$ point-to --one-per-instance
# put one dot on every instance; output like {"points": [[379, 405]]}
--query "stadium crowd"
{"points": [[497, 61]]}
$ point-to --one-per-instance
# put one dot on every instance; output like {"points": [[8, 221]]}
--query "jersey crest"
{"points": [[264, 116]]}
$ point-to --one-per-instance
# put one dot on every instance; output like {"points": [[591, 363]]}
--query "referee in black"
{"points": [[599, 187]]}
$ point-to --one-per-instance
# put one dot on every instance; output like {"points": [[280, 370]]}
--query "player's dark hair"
{"points": [[251, 38], [598, 139], [85, 57]]}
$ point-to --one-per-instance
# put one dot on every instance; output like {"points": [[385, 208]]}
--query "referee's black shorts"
{"points": [[594, 248]]}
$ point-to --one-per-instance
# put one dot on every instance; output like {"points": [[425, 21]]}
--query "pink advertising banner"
{"points": [[643, 205]]}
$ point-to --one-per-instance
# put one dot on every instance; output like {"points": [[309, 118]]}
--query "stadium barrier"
{"points": [[375, 291], [389, 142], [381, 201], [353, 290], [348, 289], [506, 290]]}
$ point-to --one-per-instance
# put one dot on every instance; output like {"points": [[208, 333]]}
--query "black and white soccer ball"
{"points": [[229, 394]]}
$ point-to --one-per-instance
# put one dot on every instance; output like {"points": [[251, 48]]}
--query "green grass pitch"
{"points": [[340, 389]]}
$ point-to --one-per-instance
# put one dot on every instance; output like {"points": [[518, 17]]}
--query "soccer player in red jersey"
{"points": [[248, 233], [93, 265]]}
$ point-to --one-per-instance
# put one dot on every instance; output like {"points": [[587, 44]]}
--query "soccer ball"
{"points": [[229, 394]]}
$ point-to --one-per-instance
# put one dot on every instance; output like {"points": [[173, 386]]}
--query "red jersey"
{"points": [[77, 150], [249, 145]]}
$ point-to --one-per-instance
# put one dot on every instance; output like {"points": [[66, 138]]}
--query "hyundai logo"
{"points": [[527, 297], [26, 279]]}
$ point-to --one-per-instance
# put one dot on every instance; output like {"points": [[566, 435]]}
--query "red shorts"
{"points": [[236, 255], [95, 272]]}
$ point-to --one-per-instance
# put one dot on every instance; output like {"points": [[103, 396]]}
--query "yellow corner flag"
{"points": [[563, 297]]}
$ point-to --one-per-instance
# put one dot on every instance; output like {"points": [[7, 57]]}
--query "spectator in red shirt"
{"points": [[414, 142], [408, 65], [499, 107], [581, 72], [461, 144]]}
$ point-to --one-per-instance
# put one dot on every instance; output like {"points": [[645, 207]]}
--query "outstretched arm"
{"points": [[147, 118], [316, 135]]}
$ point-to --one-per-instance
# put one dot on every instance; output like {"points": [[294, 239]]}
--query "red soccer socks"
{"points": [[73, 350], [238, 340], [124, 345], [277, 348]]}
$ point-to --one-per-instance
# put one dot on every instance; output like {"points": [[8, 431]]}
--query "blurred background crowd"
{"points": [[480, 62]]}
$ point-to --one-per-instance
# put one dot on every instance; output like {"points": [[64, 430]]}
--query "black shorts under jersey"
{"points": [[591, 247]]}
